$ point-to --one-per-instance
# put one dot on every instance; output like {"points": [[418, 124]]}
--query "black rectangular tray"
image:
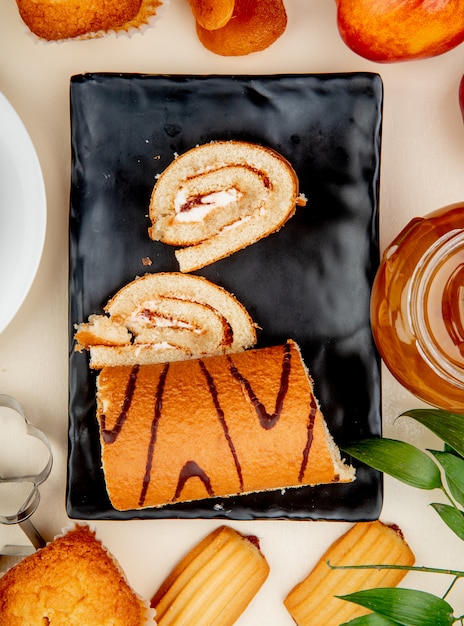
{"points": [[311, 281]]}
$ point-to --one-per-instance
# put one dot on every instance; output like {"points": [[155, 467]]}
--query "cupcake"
{"points": [[72, 581], [54, 20]]}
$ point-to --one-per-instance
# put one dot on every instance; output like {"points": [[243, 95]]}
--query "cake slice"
{"points": [[220, 197], [166, 316], [213, 427], [73, 581]]}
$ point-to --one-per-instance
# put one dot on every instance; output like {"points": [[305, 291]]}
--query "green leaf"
{"points": [[452, 517], [454, 471], [449, 427], [373, 619], [398, 459], [408, 607]]}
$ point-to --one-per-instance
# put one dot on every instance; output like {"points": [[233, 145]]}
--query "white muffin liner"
{"points": [[151, 11]]}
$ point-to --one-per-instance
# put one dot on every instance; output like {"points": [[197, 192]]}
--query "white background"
{"points": [[422, 170]]}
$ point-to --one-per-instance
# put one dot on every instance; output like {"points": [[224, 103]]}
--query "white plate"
{"points": [[22, 212]]}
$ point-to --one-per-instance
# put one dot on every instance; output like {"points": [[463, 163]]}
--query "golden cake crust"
{"points": [[64, 19], [211, 427], [71, 582]]}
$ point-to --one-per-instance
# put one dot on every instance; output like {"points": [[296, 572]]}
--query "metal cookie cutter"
{"points": [[19, 480]]}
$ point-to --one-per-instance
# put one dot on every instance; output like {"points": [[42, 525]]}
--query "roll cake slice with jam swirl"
{"points": [[220, 197], [166, 316]]}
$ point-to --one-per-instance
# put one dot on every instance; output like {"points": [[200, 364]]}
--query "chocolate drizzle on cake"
{"points": [[193, 470], [267, 420], [153, 432], [110, 435], [309, 440], [242, 391], [222, 420]]}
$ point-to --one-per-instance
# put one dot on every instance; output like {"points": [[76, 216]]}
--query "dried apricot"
{"points": [[254, 26], [212, 14]]}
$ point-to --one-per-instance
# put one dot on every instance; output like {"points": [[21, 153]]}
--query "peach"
{"points": [[400, 30]]}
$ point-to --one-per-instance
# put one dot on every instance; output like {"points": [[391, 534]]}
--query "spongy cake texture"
{"points": [[64, 19], [166, 316], [217, 426], [73, 581], [220, 197]]}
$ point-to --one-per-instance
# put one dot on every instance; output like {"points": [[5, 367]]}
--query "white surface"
{"points": [[22, 212], [422, 170]]}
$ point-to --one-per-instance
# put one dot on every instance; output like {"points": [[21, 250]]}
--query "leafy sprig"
{"points": [[430, 469]]}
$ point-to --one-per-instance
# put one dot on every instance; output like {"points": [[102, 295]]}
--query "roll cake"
{"points": [[214, 583], [213, 427], [72, 581], [166, 316], [220, 197]]}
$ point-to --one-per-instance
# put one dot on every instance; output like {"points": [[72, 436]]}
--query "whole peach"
{"points": [[400, 30]]}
